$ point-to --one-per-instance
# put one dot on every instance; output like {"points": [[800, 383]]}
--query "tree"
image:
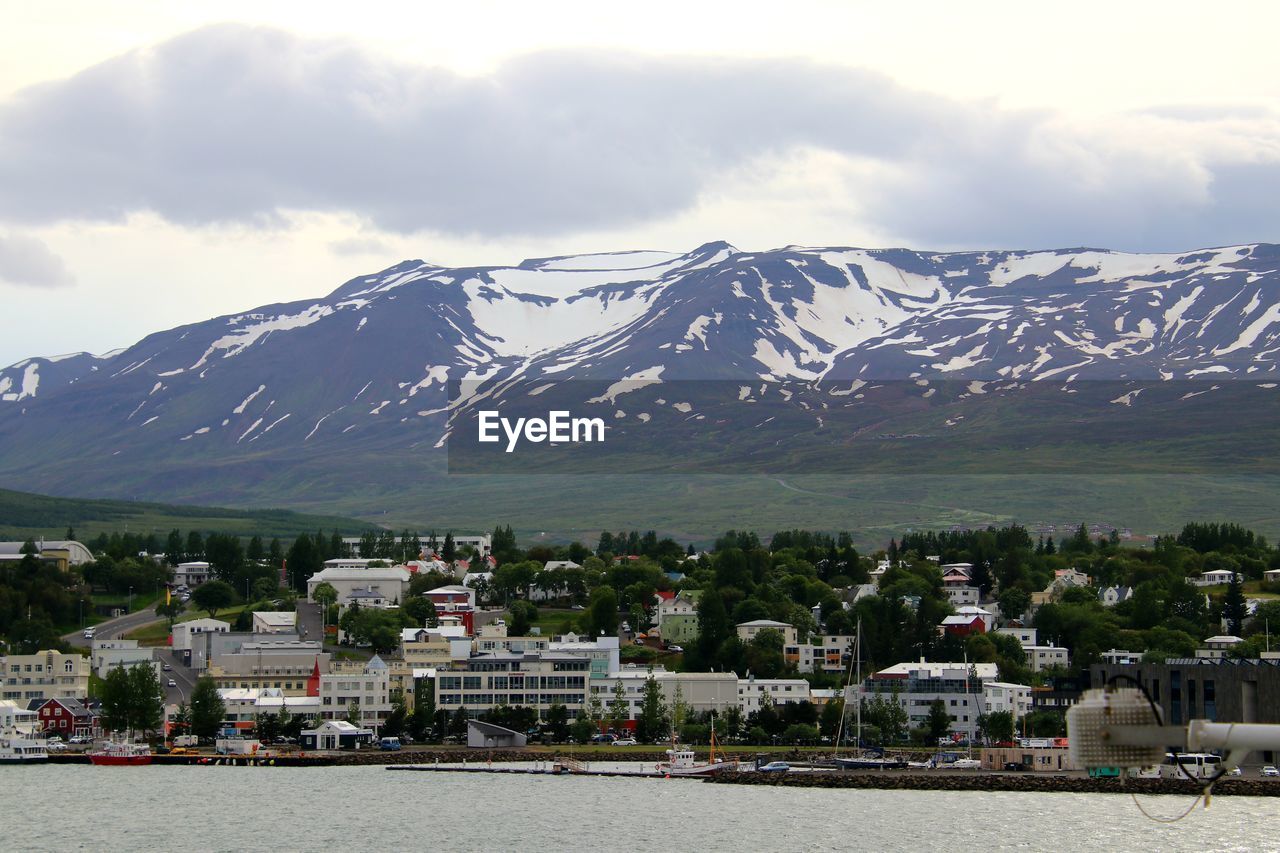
{"points": [[603, 612], [996, 727], [1234, 608], [213, 596], [652, 723], [449, 551], [523, 614], [558, 722], [207, 709], [619, 708], [170, 611], [1014, 601], [267, 727], [325, 593], [938, 723]]}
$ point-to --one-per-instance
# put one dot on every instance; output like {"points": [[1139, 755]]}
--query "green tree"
{"points": [[996, 727], [146, 698], [603, 612], [267, 727], [213, 596], [558, 722], [523, 615], [449, 551], [652, 723], [170, 611], [1233, 606], [619, 708], [938, 723], [207, 709]]}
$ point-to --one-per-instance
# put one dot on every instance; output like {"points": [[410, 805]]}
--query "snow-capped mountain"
{"points": [[361, 374]]}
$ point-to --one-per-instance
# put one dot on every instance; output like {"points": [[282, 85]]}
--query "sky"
{"points": [[163, 163]]}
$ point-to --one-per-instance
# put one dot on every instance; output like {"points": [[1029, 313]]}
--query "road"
{"points": [[114, 628]]}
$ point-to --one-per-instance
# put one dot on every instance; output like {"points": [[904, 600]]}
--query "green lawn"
{"points": [[157, 633]]}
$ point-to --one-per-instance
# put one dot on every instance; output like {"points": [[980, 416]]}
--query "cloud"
{"points": [[27, 262], [231, 124], [360, 246]]}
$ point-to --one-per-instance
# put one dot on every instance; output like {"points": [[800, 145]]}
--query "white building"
{"points": [[351, 684], [275, 622], [45, 675], [1044, 657], [700, 691], [1024, 636], [535, 680], [110, 654], [1218, 576], [754, 692], [1003, 696], [391, 584], [823, 653], [747, 631], [189, 636], [191, 574]]}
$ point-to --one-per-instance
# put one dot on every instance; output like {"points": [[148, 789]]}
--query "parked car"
{"points": [[1235, 771], [1015, 765], [56, 746], [625, 741], [80, 739], [775, 767], [1270, 770], [675, 648], [604, 737]]}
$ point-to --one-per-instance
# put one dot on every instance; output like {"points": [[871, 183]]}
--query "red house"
{"points": [[68, 717]]}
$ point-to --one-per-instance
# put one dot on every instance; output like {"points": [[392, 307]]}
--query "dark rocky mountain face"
{"points": [[343, 400]]}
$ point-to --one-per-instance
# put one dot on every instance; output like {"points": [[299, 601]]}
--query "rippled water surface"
{"points": [[371, 808]]}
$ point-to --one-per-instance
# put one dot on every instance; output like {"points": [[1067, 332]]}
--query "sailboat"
{"points": [[862, 761]]}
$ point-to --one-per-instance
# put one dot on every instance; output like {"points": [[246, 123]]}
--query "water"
{"points": [[213, 809]]}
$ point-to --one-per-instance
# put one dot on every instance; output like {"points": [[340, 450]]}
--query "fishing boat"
{"points": [[115, 754], [684, 762]]}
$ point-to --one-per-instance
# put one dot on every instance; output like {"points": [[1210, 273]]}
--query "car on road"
{"points": [[56, 746], [675, 648], [88, 633], [604, 737], [625, 741], [775, 767], [172, 683], [1270, 770], [167, 667]]}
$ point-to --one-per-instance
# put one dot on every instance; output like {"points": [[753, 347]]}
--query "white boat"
{"points": [[684, 762], [18, 747], [20, 739]]}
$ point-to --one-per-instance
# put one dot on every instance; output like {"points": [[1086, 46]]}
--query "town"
{"points": [[961, 649]]}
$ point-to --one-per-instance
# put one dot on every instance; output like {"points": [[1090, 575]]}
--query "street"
{"points": [[114, 628]]}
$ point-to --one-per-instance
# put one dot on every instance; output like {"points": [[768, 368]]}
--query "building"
{"points": [[64, 553], [391, 584], [335, 734], [823, 653], [532, 679], [1217, 576], [1224, 690], [482, 543], [265, 661], [1113, 595], [669, 604], [1044, 657], [68, 718], [1218, 647], [191, 574], [109, 654], [488, 736], [700, 691], [191, 639], [747, 631], [604, 653], [1024, 636], [45, 675], [1037, 759], [961, 689], [275, 622], [679, 629], [1000, 696], [365, 686], [754, 693]]}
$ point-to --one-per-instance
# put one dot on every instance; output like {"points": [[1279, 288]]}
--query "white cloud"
{"points": [[28, 262], [230, 124]]}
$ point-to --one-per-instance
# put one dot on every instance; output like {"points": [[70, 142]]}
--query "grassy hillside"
{"points": [[23, 514]]}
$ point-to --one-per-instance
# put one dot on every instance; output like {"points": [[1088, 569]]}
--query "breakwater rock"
{"points": [[957, 781]]}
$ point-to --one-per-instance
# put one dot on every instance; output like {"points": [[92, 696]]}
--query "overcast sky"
{"points": [[162, 163]]}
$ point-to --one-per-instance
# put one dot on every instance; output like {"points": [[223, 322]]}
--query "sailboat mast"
{"points": [[857, 654]]}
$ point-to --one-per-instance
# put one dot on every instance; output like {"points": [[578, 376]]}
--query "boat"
{"points": [[684, 762], [873, 759], [20, 747], [115, 754]]}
